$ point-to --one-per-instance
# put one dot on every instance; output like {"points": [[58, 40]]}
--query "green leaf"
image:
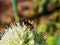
{"points": [[41, 28], [51, 40]]}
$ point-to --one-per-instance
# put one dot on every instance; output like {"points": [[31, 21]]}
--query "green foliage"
{"points": [[41, 28], [57, 25], [39, 38], [51, 40]]}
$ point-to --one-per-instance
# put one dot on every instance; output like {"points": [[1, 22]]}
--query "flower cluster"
{"points": [[16, 35]]}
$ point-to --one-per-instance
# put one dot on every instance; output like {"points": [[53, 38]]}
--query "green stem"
{"points": [[14, 4]]}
